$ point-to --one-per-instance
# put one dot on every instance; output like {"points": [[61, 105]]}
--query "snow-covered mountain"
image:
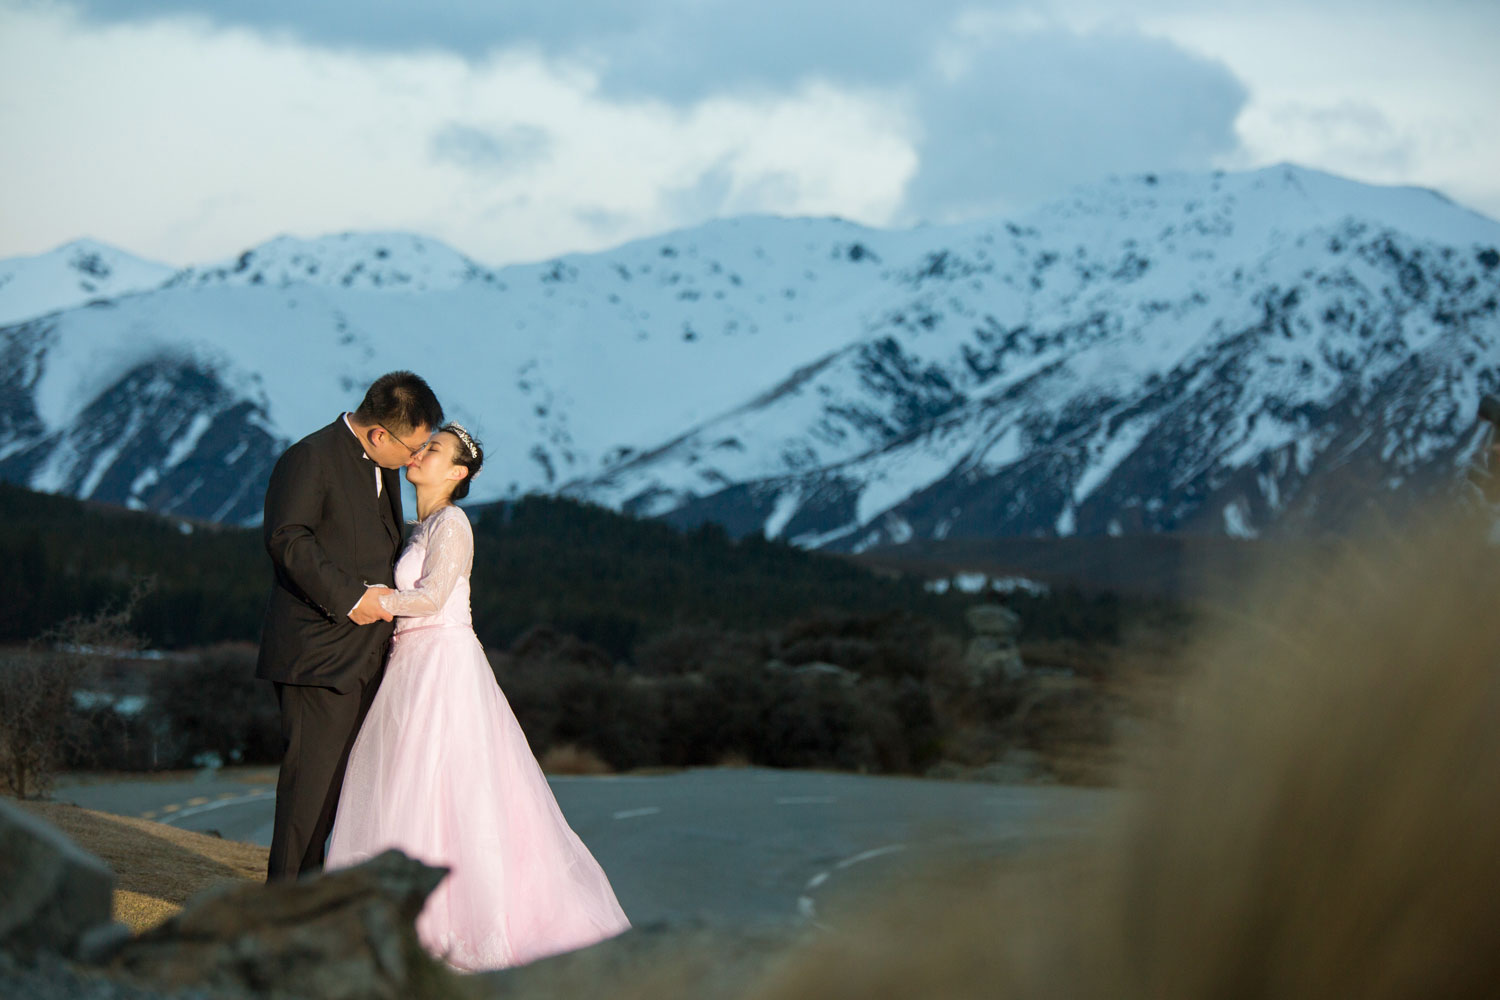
{"points": [[82, 271], [1240, 353], [1220, 354]]}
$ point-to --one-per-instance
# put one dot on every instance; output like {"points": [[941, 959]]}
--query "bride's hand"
{"points": [[368, 610]]}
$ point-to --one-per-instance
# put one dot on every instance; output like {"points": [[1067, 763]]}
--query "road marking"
{"points": [[198, 801], [632, 813], [149, 815], [805, 905], [180, 813], [805, 800], [171, 808], [867, 855]]}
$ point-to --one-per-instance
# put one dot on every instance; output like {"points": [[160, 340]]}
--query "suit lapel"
{"points": [[359, 482]]}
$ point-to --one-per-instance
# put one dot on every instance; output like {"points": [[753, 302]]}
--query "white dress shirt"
{"points": [[379, 482]]}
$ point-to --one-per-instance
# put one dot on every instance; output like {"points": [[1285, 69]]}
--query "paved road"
{"points": [[747, 845]]}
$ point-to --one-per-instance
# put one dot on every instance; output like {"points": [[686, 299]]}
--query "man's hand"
{"points": [[368, 610]]}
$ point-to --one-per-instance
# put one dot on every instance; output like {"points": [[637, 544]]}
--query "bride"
{"points": [[442, 771]]}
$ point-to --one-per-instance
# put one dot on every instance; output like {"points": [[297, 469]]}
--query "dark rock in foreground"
{"points": [[346, 934], [55, 894]]}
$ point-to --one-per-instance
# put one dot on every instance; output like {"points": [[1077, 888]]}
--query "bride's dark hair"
{"points": [[469, 454]]}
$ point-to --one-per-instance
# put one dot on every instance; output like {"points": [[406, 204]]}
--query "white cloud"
{"points": [[187, 142], [1016, 111], [676, 50], [188, 131], [1380, 90]]}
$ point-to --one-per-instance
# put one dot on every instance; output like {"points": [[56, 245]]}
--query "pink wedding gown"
{"points": [[441, 770]]}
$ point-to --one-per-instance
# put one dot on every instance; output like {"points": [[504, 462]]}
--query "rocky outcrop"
{"points": [[54, 896], [341, 936], [993, 652], [345, 935]]}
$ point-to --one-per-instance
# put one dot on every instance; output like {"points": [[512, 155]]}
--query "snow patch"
{"points": [[183, 446], [1237, 521], [971, 583], [787, 503]]}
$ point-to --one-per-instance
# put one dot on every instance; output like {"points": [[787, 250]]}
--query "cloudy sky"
{"points": [[187, 131]]}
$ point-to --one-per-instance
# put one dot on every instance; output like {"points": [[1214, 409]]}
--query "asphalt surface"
{"points": [[742, 845]]}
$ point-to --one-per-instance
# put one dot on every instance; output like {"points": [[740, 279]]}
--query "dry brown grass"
{"points": [[157, 867], [1084, 722], [569, 758], [1318, 818]]}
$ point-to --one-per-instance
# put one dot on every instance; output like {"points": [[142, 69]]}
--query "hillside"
{"points": [[584, 570], [1270, 353]]}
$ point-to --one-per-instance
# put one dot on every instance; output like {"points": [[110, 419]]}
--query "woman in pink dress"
{"points": [[441, 770]]}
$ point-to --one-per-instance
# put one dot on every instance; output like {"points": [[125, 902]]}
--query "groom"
{"points": [[333, 531]]}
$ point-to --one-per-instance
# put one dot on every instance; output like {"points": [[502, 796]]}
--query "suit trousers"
{"points": [[318, 727]]}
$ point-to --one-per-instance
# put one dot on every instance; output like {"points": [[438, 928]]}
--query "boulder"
{"points": [[339, 936], [53, 894], [993, 619], [987, 657]]}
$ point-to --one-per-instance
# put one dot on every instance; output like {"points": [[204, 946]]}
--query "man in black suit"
{"points": [[333, 531]]}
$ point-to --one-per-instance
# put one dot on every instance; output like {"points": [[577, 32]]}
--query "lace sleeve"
{"points": [[450, 556]]}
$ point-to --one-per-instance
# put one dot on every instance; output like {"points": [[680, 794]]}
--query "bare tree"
{"points": [[37, 685]]}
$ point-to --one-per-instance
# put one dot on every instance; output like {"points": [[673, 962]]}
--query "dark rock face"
{"points": [[344, 935], [167, 435], [53, 894]]}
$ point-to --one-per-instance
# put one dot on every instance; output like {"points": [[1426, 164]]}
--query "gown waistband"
{"points": [[424, 628]]}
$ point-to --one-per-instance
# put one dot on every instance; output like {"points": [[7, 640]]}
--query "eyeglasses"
{"points": [[414, 452]]}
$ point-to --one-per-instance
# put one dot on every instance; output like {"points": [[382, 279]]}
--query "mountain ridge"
{"points": [[830, 383]]}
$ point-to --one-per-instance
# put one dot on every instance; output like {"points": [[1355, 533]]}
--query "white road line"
{"points": [[805, 800], [632, 813], [867, 855], [220, 804], [805, 905]]}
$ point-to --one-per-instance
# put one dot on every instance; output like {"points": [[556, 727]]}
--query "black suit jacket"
{"points": [[328, 535]]}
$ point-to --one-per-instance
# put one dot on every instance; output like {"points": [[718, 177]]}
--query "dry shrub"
{"points": [[891, 644], [212, 704], [570, 758], [38, 733], [542, 645], [693, 649], [1318, 820]]}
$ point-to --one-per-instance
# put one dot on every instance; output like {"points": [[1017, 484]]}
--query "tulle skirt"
{"points": [[441, 770]]}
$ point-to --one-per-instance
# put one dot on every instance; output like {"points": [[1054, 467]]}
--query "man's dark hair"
{"points": [[402, 401]]}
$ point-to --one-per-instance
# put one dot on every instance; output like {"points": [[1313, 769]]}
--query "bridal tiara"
{"points": [[463, 435]]}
